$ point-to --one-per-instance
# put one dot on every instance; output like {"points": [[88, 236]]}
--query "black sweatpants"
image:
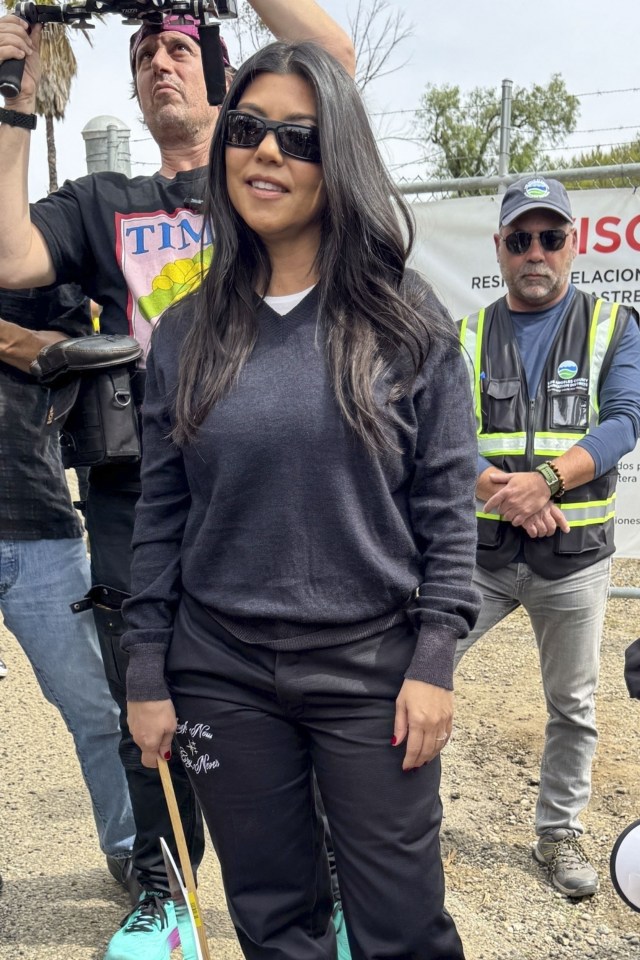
{"points": [[252, 724], [109, 518]]}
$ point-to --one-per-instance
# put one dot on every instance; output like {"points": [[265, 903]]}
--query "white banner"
{"points": [[455, 251]]}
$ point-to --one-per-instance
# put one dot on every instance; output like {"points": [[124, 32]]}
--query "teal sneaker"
{"points": [[344, 953], [150, 932]]}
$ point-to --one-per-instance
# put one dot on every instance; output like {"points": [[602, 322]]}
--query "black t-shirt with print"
{"points": [[133, 245]]}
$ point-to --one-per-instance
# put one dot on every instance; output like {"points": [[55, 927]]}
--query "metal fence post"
{"points": [[505, 131]]}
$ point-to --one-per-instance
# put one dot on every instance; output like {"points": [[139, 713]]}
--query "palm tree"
{"points": [[59, 67]]}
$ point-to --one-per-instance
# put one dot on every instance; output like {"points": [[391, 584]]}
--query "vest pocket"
{"points": [[591, 536], [499, 404], [491, 533], [569, 410], [580, 540]]}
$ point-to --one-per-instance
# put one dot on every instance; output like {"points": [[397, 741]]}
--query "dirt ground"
{"points": [[59, 902]]}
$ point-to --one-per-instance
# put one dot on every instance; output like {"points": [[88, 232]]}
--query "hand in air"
{"points": [[19, 41]]}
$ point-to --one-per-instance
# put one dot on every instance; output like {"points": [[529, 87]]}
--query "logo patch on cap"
{"points": [[567, 370], [536, 189]]}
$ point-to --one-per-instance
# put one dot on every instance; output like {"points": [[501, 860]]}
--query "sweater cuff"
{"points": [[145, 673], [434, 655]]}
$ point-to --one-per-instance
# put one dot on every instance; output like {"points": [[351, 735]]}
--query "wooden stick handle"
{"points": [[183, 854]]}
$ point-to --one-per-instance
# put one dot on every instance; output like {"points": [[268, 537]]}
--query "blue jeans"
{"points": [[38, 581], [567, 616]]}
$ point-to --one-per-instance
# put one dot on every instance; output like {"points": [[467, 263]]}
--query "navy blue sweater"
{"points": [[281, 523]]}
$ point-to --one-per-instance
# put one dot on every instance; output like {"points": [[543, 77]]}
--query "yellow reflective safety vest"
{"points": [[516, 433]]}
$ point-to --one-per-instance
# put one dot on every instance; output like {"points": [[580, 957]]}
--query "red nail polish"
{"points": [[167, 755], [394, 740]]}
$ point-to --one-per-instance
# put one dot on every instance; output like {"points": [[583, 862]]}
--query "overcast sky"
{"points": [[593, 45]]}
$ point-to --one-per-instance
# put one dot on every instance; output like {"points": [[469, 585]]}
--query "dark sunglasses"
{"points": [[519, 241], [294, 139]]}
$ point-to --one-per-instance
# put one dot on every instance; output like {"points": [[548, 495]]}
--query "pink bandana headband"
{"points": [[174, 24]]}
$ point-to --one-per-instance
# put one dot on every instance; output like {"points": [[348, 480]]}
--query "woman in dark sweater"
{"points": [[305, 537]]}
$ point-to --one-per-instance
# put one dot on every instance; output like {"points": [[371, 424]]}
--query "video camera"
{"points": [[77, 14]]}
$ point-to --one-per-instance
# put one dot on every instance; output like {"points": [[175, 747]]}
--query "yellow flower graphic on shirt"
{"points": [[174, 282]]}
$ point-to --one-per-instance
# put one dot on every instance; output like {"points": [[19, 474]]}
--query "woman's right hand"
{"points": [[152, 724]]}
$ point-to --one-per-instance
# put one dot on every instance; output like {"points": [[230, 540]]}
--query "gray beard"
{"points": [[167, 129]]}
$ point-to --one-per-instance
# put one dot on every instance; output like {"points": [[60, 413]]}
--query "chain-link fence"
{"points": [[576, 178]]}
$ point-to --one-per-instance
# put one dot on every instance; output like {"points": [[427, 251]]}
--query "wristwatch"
{"points": [[16, 119], [552, 478]]}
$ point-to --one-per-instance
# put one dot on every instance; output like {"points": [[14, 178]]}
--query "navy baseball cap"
{"points": [[534, 194]]}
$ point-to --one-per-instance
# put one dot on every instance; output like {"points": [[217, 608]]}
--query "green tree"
{"points": [[617, 155], [465, 127], [59, 67]]}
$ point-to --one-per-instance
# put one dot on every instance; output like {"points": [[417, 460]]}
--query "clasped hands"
{"points": [[523, 500]]}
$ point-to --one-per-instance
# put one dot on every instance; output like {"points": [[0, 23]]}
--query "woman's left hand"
{"points": [[424, 716]]}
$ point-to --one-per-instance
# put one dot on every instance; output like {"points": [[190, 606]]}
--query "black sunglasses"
{"points": [[294, 139], [519, 241]]}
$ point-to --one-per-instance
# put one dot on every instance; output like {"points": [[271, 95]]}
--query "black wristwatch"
{"points": [[15, 119]]}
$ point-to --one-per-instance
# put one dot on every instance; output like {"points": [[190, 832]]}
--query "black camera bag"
{"points": [[92, 400]]}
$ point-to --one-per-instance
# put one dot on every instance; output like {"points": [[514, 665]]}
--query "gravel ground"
{"points": [[59, 902]]}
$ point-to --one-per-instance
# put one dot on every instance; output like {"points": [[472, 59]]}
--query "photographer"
{"points": [[133, 246], [44, 565]]}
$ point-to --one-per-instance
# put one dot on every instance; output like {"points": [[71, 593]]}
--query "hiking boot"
{"points": [[567, 863], [121, 869], [344, 953], [150, 931]]}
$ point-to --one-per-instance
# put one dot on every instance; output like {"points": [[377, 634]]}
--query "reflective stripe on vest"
{"points": [[545, 444], [576, 514], [584, 514], [495, 444], [471, 340], [600, 336], [554, 444]]}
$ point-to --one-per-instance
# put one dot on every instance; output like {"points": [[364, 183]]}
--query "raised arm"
{"points": [[24, 257], [296, 20]]}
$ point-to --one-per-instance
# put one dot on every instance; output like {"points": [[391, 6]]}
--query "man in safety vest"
{"points": [[557, 401]]}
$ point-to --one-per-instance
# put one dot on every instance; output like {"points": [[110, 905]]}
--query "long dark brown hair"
{"points": [[368, 320]]}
